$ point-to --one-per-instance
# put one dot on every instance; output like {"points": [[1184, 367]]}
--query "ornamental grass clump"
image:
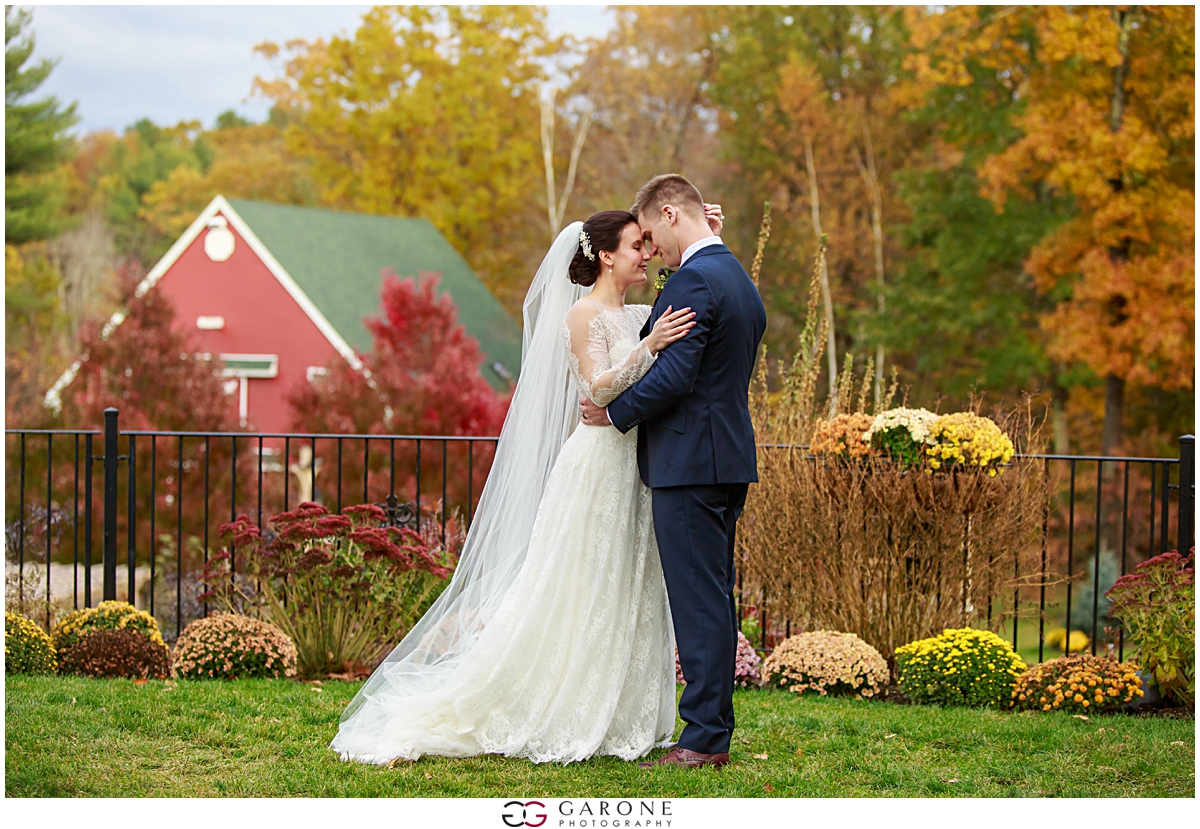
{"points": [[966, 440], [960, 667], [826, 662], [121, 653], [27, 648], [233, 646], [745, 668], [842, 437], [873, 545], [344, 588], [109, 615], [901, 434], [1080, 683], [1156, 603]]}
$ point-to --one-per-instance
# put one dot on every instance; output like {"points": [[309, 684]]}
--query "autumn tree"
{"points": [[113, 174], [805, 96], [804, 102], [249, 161], [962, 310], [646, 84], [430, 112], [144, 365], [422, 373], [421, 377], [1108, 122], [558, 197]]}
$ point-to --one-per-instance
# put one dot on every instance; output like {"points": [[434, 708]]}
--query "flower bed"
{"points": [[1080, 683], [959, 667], [232, 646], [895, 525], [27, 648], [343, 588], [826, 662]]}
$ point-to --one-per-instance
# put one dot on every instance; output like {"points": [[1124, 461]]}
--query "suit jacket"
{"points": [[693, 403]]}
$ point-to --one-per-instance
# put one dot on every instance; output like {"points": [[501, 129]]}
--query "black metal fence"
{"points": [[1102, 510], [1114, 513], [178, 487]]}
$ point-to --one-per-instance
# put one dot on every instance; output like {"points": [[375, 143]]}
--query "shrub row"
{"points": [[115, 639], [959, 667]]}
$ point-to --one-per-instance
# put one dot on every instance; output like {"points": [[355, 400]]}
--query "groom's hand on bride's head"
{"points": [[591, 414]]}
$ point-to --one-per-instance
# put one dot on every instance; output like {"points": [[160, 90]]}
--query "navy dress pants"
{"points": [[695, 528]]}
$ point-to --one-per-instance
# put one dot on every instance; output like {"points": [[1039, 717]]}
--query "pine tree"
{"points": [[35, 138]]}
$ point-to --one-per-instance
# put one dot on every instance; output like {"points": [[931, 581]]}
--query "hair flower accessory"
{"points": [[585, 244]]}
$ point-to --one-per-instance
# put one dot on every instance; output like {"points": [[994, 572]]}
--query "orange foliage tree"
{"points": [[809, 117], [1109, 121]]}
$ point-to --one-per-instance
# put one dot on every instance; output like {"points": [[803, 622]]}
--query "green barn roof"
{"points": [[336, 258]]}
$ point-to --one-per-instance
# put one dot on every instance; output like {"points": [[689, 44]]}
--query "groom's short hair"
{"points": [[668, 188]]}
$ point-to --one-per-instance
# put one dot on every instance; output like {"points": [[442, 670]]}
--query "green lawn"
{"points": [[68, 736]]}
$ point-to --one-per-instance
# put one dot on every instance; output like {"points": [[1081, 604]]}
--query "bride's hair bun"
{"points": [[603, 233]]}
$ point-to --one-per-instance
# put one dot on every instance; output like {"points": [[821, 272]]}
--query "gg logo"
{"points": [[511, 819]]}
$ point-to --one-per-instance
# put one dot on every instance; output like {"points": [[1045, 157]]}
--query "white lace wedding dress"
{"points": [[579, 659]]}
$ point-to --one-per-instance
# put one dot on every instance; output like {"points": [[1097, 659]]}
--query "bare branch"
{"points": [[581, 131], [548, 160]]}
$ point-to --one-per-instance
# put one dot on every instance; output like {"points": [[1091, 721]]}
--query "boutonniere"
{"points": [[660, 281]]}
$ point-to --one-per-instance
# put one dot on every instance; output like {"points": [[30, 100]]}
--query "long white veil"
{"points": [[540, 418]]}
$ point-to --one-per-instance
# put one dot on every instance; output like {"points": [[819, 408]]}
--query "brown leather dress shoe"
{"points": [[688, 759]]}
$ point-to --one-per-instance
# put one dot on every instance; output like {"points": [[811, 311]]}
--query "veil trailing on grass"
{"points": [[540, 418]]}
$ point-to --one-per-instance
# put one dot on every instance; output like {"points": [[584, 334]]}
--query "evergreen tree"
{"points": [[35, 138]]}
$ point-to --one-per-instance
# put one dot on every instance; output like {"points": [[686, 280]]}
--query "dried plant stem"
{"points": [[764, 233], [887, 551], [823, 270]]}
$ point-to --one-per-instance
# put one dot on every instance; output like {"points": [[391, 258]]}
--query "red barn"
{"points": [[277, 291]]}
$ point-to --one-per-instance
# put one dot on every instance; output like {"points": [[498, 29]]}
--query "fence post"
{"points": [[1187, 494], [110, 504]]}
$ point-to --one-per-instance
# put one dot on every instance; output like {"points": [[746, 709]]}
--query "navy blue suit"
{"points": [[696, 452]]}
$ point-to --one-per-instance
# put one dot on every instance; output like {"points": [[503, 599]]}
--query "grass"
{"points": [[70, 736]]}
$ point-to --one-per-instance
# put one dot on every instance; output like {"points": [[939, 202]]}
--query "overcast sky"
{"points": [[174, 63]]}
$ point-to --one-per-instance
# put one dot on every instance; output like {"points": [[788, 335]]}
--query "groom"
{"points": [[696, 450]]}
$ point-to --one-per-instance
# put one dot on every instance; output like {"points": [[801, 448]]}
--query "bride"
{"points": [[553, 640]]}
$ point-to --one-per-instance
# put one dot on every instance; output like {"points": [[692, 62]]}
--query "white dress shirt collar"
{"points": [[695, 246]]}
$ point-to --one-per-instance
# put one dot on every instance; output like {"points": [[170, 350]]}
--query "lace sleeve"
{"points": [[587, 343], [609, 385]]}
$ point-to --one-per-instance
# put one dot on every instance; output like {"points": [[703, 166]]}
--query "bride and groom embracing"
{"points": [[604, 536]]}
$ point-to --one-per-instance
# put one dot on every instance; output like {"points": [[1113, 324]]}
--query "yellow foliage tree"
{"points": [[250, 162], [646, 83], [433, 113]]}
